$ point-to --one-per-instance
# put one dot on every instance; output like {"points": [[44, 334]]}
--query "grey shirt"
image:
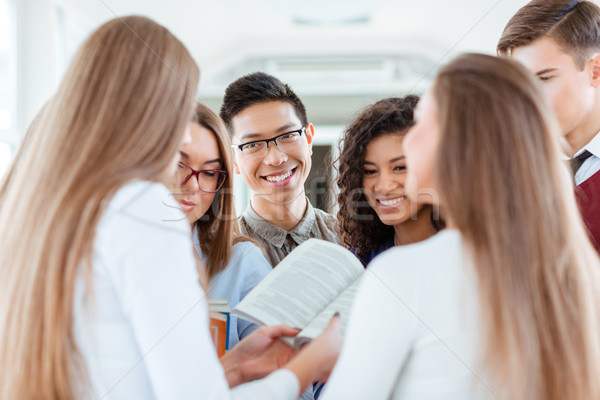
{"points": [[278, 242]]}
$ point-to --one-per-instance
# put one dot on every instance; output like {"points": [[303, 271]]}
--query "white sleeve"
{"points": [[167, 309], [281, 384], [377, 342]]}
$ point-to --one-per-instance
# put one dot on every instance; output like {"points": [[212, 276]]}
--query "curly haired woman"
{"points": [[375, 213]]}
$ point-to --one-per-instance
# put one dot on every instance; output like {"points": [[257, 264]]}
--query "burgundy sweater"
{"points": [[588, 197]]}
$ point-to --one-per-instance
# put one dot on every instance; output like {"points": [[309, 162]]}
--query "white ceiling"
{"points": [[338, 55]]}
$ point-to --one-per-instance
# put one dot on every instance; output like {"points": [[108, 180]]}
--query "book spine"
{"points": [[228, 331]]}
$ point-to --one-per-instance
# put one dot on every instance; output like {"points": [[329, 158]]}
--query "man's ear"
{"points": [[236, 168], [595, 68], [310, 133]]}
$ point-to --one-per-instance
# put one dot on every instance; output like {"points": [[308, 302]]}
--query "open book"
{"points": [[219, 325], [314, 281]]}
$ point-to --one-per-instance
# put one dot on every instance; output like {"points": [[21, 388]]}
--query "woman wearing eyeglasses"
{"points": [[203, 187], [99, 296]]}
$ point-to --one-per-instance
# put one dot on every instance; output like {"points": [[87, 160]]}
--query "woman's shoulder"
{"points": [[247, 266], [417, 273], [366, 258], [147, 204], [137, 192], [243, 247], [246, 254], [136, 225], [133, 237], [440, 251]]}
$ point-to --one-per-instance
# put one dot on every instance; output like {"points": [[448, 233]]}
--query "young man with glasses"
{"points": [[272, 144]]}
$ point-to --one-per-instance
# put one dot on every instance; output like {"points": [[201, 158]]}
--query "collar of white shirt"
{"points": [[592, 164]]}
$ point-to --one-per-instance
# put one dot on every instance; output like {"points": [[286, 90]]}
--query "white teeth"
{"points": [[392, 202], [279, 178]]}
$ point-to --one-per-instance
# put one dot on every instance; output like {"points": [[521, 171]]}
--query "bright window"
{"points": [[7, 67], [8, 80], [72, 29], [5, 156]]}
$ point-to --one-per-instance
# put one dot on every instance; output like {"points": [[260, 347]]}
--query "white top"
{"points": [[143, 329], [592, 164], [413, 330], [246, 268]]}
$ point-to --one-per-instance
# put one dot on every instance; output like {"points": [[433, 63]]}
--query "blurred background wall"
{"points": [[338, 56]]}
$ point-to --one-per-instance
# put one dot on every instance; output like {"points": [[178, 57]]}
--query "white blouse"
{"points": [[142, 327], [413, 331]]}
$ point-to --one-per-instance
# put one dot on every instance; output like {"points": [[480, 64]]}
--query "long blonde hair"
{"points": [[503, 185], [219, 231], [118, 115]]}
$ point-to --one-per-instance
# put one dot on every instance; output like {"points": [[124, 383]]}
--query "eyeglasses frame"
{"points": [[273, 139], [196, 173]]}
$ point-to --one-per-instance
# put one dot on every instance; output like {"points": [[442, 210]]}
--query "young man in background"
{"points": [[272, 141], [559, 41]]}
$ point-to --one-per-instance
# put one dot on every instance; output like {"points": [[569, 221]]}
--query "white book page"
{"points": [[342, 304], [301, 286]]}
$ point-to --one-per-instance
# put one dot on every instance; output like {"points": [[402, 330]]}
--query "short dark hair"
{"points": [[573, 24], [257, 88]]}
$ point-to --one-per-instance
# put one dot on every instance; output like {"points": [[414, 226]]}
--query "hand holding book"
{"points": [[259, 354], [313, 282]]}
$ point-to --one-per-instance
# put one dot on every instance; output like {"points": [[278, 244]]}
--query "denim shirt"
{"points": [[246, 268]]}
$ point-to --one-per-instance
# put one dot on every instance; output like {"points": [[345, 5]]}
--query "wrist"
{"points": [[233, 371], [305, 367]]}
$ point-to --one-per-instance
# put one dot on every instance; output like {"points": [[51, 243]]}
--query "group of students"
{"points": [[484, 280]]}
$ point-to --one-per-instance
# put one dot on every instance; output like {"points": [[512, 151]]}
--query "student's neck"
{"points": [[415, 229], [582, 134], [285, 215]]}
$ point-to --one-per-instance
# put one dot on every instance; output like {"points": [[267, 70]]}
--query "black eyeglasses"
{"points": [[260, 148], [209, 180]]}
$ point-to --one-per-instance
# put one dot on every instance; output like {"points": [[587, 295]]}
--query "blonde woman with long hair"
{"points": [[504, 304], [99, 296], [203, 188]]}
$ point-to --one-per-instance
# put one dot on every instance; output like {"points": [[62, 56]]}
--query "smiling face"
{"points": [[279, 175], [420, 148], [200, 152], [571, 91], [384, 178]]}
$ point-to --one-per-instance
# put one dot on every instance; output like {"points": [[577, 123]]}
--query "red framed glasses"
{"points": [[209, 180]]}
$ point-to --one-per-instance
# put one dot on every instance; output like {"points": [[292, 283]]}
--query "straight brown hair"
{"points": [[118, 115], [219, 231], [572, 24], [504, 186]]}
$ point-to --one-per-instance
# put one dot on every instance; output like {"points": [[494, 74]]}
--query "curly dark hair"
{"points": [[256, 88], [360, 227]]}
